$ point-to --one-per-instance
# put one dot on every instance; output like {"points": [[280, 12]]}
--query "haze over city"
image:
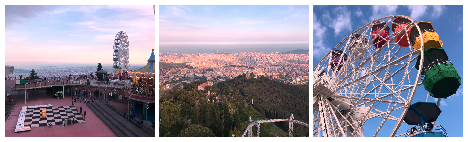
{"points": [[230, 29]]}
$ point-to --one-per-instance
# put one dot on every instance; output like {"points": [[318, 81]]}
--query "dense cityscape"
{"points": [[57, 72], [213, 67]]}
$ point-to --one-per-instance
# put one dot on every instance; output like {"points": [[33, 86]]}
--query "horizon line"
{"points": [[229, 43]]}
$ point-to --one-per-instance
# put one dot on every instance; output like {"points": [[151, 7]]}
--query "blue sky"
{"points": [[244, 26], [331, 24], [54, 35]]}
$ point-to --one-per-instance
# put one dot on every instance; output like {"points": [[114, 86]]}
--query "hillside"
{"points": [[273, 99], [226, 110]]}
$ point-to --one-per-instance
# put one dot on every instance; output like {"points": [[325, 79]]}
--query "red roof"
{"points": [[203, 85]]}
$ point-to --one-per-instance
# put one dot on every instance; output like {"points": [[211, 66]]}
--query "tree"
{"points": [[99, 67], [196, 130], [169, 114], [33, 75]]}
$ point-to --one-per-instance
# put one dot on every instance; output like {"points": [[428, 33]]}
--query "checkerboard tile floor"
{"points": [[55, 115]]}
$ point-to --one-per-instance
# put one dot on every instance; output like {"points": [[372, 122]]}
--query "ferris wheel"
{"points": [[120, 47], [372, 75]]}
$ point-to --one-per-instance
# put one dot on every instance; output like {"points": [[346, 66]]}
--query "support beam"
{"points": [[24, 96], [258, 130]]}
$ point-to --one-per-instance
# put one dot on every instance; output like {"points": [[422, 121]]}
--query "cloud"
{"points": [[319, 48], [417, 11], [248, 22], [204, 34], [17, 13], [364, 72], [379, 11], [92, 28], [84, 9], [339, 20], [358, 13], [459, 92], [136, 9], [437, 10], [176, 10]]}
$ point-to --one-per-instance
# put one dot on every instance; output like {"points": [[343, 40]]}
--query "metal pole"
{"points": [[63, 92], [24, 96]]}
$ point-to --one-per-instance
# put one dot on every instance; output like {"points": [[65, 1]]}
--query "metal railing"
{"points": [[48, 83], [441, 129]]}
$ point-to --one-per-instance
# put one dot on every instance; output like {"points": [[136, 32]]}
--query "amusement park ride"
{"points": [[373, 74], [120, 59], [257, 123]]}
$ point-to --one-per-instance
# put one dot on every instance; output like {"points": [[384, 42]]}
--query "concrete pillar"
{"points": [[144, 111], [133, 107], [128, 107]]}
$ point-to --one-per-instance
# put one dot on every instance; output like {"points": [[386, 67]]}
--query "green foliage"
{"points": [[170, 118], [227, 107], [33, 75], [196, 131]]}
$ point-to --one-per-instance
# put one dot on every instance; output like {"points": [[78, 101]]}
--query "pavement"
{"points": [[93, 127]]}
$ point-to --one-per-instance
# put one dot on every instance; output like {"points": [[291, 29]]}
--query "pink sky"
{"points": [[76, 34]]}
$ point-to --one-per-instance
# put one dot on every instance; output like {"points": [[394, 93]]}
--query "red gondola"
{"points": [[383, 37]]}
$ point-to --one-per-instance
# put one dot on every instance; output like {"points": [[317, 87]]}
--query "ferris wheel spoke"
{"points": [[371, 100], [383, 84], [359, 66], [381, 68], [383, 121], [334, 116], [390, 117], [346, 120], [323, 122]]}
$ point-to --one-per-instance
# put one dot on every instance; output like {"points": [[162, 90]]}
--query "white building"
{"points": [[9, 70]]}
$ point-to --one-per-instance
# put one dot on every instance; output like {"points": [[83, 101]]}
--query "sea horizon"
{"points": [[230, 48]]}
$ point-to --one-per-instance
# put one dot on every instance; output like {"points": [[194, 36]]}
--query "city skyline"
{"points": [[76, 35], [205, 29]]}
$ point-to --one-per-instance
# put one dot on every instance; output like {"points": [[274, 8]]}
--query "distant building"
{"points": [[202, 86], [9, 70]]}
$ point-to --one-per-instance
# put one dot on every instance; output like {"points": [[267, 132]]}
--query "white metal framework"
{"points": [[365, 83], [248, 130], [120, 46]]}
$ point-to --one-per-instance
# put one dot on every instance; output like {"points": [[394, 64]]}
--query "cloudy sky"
{"points": [[331, 24], [56, 35], [228, 25]]}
